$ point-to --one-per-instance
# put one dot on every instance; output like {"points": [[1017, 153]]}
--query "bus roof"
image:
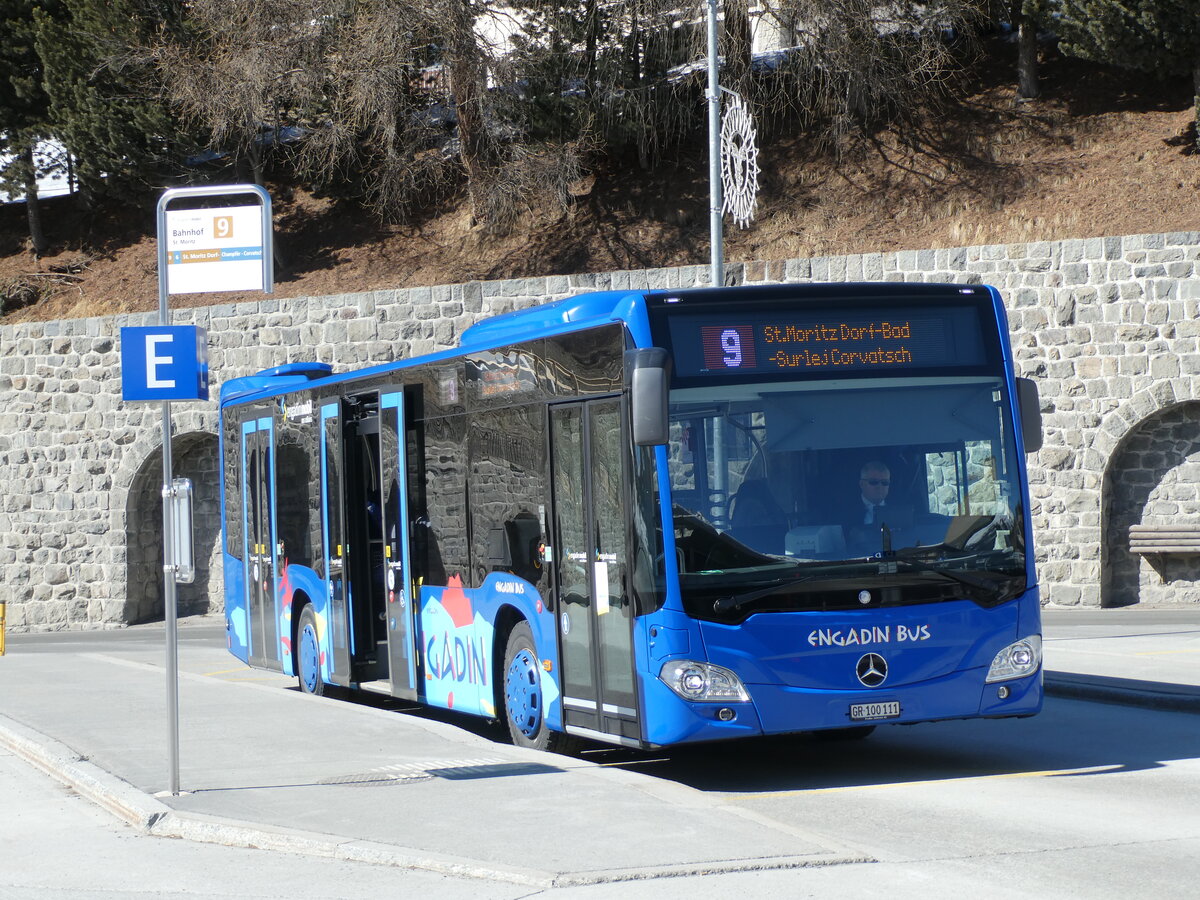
{"points": [[587, 310], [569, 313], [520, 324]]}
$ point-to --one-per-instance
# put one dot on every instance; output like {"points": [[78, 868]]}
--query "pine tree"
{"points": [[1157, 36], [1024, 16], [24, 106], [105, 99]]}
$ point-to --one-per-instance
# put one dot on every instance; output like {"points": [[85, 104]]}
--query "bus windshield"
{"points": [[844, 494]]}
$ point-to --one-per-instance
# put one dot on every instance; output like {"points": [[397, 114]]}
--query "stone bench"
{"points": [[1155, 539]]}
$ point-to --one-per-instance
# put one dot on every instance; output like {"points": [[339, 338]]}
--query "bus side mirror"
{"points": [[1030, 408], [647, 372]]}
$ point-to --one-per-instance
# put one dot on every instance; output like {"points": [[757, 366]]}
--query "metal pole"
{"points": [[170, 605], [714, 151]]}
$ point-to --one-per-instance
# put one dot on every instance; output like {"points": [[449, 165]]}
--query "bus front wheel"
{"points": [[524, 702], [308, 654]]}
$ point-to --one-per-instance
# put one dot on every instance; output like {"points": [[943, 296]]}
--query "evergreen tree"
{"points": [[24, 106], [105, 99], [1024, 16], [1157, 36]]}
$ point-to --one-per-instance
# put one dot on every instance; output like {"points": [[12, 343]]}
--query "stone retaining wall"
{"points": [[1107, 326]]}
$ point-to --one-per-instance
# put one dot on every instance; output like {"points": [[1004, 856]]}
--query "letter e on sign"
{"points": [[154, 362], [164, 363]]}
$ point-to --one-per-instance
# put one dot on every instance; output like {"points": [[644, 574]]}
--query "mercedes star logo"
{"points": [[871, 669]]}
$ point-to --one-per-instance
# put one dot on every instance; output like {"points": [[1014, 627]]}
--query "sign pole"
{"points": [[170, 570], [170, 604], [715, 202], [170, 607]]}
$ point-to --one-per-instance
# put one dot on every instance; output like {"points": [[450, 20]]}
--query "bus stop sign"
{"points": [[162, 363]]}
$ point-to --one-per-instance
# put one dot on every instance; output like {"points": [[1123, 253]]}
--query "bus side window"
{"points": [[507, 487], [446, 510]]}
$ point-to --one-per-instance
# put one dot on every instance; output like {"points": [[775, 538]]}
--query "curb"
{"points": [[153, 817], [91, 782], [1121, 691]]}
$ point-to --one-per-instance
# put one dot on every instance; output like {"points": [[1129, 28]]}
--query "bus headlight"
{"points": [[702, 682], [1017, 660]]}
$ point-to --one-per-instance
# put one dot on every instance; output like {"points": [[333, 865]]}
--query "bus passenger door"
{"points": [[397, 568], [594, 604], [258, 510], [334, 540]]}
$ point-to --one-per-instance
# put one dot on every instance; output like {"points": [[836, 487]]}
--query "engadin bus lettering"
{"points": [[875, 634]]}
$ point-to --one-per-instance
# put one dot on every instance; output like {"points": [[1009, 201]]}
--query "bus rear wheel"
{"points": [[308, 654], [524, 702]]}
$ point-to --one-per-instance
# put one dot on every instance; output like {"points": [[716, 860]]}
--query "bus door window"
{"points": [[613, 607], [572, 553], [594, 608], [335, 540], [364, 545], [397, 611], [260, 557]]}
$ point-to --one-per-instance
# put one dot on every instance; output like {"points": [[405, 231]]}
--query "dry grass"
{"points": [[1098, 155]]}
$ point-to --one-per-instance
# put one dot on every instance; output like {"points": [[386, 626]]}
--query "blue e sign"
{"points": [[164, 362]]}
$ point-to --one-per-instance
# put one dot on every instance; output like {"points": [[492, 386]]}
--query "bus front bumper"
{"points": [[781, 709]]}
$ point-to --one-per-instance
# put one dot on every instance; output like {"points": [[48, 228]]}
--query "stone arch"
{"points": [[194, 456], [1152, 477]]}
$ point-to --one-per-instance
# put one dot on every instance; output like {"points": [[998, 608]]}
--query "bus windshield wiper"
{"points": [[971, 580], [737, 601], [981, 588]]}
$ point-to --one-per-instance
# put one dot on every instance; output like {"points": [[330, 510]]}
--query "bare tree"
{"points": [[372, 84], [860, 62], [248, 68]]}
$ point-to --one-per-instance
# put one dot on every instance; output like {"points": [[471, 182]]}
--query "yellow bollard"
{"points": [[1, 627]]}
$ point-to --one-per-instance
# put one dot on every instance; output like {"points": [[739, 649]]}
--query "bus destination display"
{"points": [[863, 340]]}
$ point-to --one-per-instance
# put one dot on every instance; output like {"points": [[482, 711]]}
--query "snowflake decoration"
{"points": [[739, 163]]}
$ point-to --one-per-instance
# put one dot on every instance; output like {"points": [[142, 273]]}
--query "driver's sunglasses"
{"points": [[876, 482]]}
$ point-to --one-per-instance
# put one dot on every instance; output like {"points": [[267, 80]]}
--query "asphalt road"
{"points": [[1086, 800]]}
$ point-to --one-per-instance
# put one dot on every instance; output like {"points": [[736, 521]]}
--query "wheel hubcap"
{"points": [[523, 694], [309, 669]]}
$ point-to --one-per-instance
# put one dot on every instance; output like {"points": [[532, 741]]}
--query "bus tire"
{"points": [[524, 702], [308, 653]]}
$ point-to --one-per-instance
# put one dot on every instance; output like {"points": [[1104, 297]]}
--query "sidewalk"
{"points": [[265, 766], [1143, 657]]}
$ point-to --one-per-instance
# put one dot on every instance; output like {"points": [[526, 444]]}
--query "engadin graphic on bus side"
{"points": [[217, 249], [457, 644]]}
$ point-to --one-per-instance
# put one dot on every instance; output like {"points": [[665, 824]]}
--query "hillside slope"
{"points": [[1101, 153]]}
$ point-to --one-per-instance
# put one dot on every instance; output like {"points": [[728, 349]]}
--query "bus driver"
{"points": [[874, 482], [863, 521]]}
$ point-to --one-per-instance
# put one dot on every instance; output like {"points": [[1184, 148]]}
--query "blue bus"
{"points": [[653, 517]]}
